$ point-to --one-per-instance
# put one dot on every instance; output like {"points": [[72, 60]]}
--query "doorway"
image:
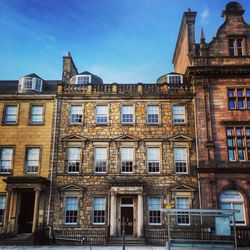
{"points": [[25, 217], [127, 214]]}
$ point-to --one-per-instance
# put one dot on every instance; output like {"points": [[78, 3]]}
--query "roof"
{"points": [[33, 75], [11, 87]]}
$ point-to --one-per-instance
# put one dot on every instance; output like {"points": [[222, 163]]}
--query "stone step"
{"points": [[117, 241]]}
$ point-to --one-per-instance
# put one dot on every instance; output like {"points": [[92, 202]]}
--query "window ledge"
{"points": [[70, 225], [36, 124]]}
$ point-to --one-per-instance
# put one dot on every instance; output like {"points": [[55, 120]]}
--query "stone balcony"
{"points": [[125, 89]]}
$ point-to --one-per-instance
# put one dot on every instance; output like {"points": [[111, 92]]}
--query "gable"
{"points": [[126, 138], [182, 188], [71, 187], [74, 138], [180, 138]]}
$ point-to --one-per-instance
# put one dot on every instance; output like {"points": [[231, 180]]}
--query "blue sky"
{"points": [[119, 40]]}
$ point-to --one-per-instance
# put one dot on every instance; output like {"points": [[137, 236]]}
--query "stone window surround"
{"points": [[127, 145], [106, 210], [108, 115], [243, 45], [186, 145], [17, 113], [101, 145], [43, 115], [149, 144], [13, 154], [121, 113], [161, 215], [159, 105], [185, 114], [69, 113], [39, 161]]}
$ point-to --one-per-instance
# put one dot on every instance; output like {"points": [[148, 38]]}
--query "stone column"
{"points": [[36, 209], [113, 214], [7, 210], [140, 216]]}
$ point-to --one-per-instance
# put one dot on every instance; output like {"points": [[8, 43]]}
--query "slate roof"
{"points": [[11, 87]]}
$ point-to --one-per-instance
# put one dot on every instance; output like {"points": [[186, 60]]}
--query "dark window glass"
{"points": [[232, 104], [231, 93], [239, 47], [231, 47]]}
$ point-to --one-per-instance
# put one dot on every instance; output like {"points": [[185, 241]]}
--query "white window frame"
{"points": [[174, 114], [27, 160], [189, 206], [6, 115], [153, 161], [35, 83], [76, 162], [64, 210], [105, 212], [31, 114], [80, 114], [179, 161], [102, 115], [158, 114], [2, 209], [181, 78], [83, 76], [150, 223], [133, 158], [9, 168], [95, 159], [122, 113]]}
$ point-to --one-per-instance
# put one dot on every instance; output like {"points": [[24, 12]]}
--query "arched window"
{"points": [[232, 199]]}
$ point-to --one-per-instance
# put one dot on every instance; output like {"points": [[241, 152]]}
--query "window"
{"points": [[73, 160], [99, 208], [180, 160], [38, 84], [10, 114], [183, 203], [83, 79], [36, 114], [154, 209], [6, 156], [127, 160], [2, 208], [32, 160], [179, 114], [101, 160], [127, 114], [102, 114], [28, 82], [232, 199], [235, 47], [76, 114], [71, 210], [152, 114], [175, 79], [238, 143], [239, 98], [153, 159]]}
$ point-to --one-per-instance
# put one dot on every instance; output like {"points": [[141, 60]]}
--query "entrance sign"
{"points": [[222, 226]]}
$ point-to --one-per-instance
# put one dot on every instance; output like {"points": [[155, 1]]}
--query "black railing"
{"points": [[81, 237]]}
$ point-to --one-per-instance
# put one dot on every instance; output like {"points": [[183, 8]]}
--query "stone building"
{"points": [[123, 151], [26, 114], [220, 73]]}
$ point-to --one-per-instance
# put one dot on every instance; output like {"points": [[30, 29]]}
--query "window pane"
{"points": [[240, 92], [100, 159], [2, 208], [11, 114], [232, 104], [241, 154], [76, 114], [239, 47], [230, 142], [152, 114], [231, 155], [231, 47], [241, 104], [178, 114], [231, 93], [6, 160], [230, 132], [239, 215], [102, 114], [36, 114], [32, 163], [127, 114]]}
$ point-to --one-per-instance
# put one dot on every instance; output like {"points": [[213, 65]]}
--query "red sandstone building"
{"points": [[220, 73]]}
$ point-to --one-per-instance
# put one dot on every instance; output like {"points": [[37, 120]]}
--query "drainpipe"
{"points": [[52, 162], [197, 157]]}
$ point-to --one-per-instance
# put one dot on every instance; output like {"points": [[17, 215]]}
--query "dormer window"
{"points": [[30, 83], [83, 79], [175, 79]]}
